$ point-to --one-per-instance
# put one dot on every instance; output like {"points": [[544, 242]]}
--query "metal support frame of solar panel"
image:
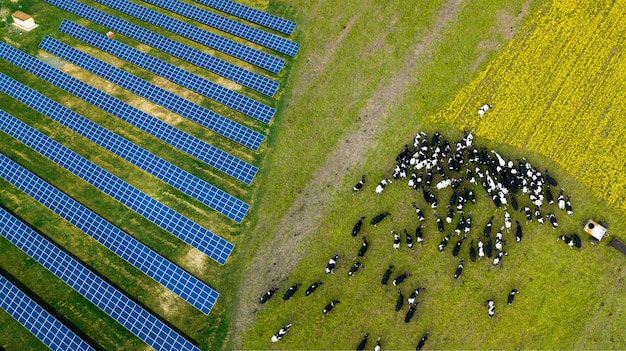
{"points": [[201, 36], [191, 185], [225, 69], [183, 107], [227, 25], [37, 320], [252, 15], [185, 142], [227, 97], [171, 221], [111, 301]]}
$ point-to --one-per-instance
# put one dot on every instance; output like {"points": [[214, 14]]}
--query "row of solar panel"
{"points": [[37, 320], [177, 75], [202, 191], [227, 25], [169, 134], [111, 301], [253, 15], [227, 70]]}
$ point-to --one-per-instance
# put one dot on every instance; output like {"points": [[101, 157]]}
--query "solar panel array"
{"points": [[177, 75], [188, 231], [118, 306], [227, 25], [204, 117], [37, 320], [227, 70], [204, 192], [169, 134], [253, 15], [208, 39]]}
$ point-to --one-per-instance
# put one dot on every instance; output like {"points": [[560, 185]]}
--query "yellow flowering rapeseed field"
{"points": [[559, 89]]}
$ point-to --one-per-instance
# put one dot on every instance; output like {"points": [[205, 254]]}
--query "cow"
{"points": [[357, 226], [459, 270], [457, 247], [512, 294], [330, 306], [566, 239], [292, 290], [481, 249], [472, 252], [576, 240], [518, 232], [498, 258], [487, 230], [450, 215], [332, 263], [400, 300], [378, 218], [396, 240], [418, 212], [361, 345], [561, 200], [538, 215], [550, 180], [355, 267], [358, 186], [280, 333], [553, 220], [549, 196], [422, 341], [444, 243], [483, 109], [399, 279], [488, 248], [268, 295], [419, 234], [409, 239], [413, 296], [381, 186], [507, 220], [363, 248], [386, 275], [409, 314], [377, 347], [439, 223], [568, 206], [312, 288], [491, 308], [528, 213], [499, 241]]}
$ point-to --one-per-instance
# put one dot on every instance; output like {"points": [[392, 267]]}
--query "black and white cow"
{"points": [[378, 218], [410, 313], [498, 258], [268, 295], [357, 226], [409, 239], [363, 248], [396, 240], [491, 307], [459, 270], [386, 275], [358, 186], [377, 347], [355, 267], [511, 296], [566, 239], [439, 223], [381, 186], [312, 288], [507, 220], [363, 343], [450, 215], [330, 306], [481, 248], [280, 333], [422, 341], [400, 300], [419, 234], [568, 206], [399, 279], [483, 109], [332, 263], [561, 200], [528, 213], [444, 243], [518, 232], [538, 215], [457, 247], [487, 230], [418, 212], [291, 291], [413, 296], [553, 220]]}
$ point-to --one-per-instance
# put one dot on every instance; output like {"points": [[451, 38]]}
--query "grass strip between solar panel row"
{"points": [[193, 112], [227, 25], [193, 186], [216, 92], [185, 142], [118, 306], [213, 64]]}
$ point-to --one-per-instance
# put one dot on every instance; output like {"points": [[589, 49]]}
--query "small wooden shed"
{"points": [[23, 21]]}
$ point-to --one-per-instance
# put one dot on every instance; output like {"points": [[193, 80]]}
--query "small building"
{"points": [[596, 230], [23, 21]]}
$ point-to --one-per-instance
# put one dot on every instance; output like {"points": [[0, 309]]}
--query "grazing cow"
{"points": [[553, 221], [377, 347], [399, 279], [400, 300], [358, 186], [528, 213], [355, 267], [538, 215], [492, 308], [549, 196], [444, 243], [488, 248], [409, 314], [332, 263], [330, 306], [280, 333], [386, 275], [550, 180], [481, 249], [422, 341], [396, 240], [498, 258], [268, 294], [576, 240], [450, 215], [430, 198], [459, 270], [460, 225], [363, 248], [439, 223], [363, 343], [378, 218], [468, 223], [514, 203], [472, 252], [568, 206], [487, 230], [561, 200], [413, 296], [419, 234], [507, 220], [471, 196], [512, 294], [292, 290], [409, 239], [312, 288], [518, 232], [381, 186], [418, 211], [483, 109], [357, 226], [566, 239], [457, 247]]}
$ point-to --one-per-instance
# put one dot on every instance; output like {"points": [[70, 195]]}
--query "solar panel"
{"points": [[253, 15], [195, 187], [177, 75], [208, 39], [111, 301], [169, 134], [173, 222], [227, 70], [37, 320], [227, 25], [204, 117]]}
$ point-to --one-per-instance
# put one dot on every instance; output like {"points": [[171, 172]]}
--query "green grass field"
{"points": [[368, 77]]}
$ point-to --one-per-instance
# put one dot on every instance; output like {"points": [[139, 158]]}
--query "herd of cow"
{"points": [[433, 164]]}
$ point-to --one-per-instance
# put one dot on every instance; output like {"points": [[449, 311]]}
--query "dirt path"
{"points": [[273, 262]]}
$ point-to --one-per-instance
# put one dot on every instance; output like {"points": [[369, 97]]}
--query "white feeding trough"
{"points": [[596, 230]]}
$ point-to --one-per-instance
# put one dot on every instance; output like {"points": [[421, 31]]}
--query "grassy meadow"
{"points": [[368, 77]]}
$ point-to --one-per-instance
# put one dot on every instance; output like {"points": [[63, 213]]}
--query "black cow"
{"points": [[357, 226], [512, 294], [378, 218], [457, 247], [488, 248], [422, 341], [332, 263], [472, 252], [312, 288], [361, 345], [487, 230], [459, 270], [549, 196], [355, 267], [409, 314], [292, 290], [550, 180], [363, 248], [268, 294], [386, 275], [518, 232], [399, 279], [514, 203], [400, 300], [439, 223], [330, 306], [358, 186], [576, 239]]}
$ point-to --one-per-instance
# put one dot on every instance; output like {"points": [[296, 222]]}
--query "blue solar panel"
{"points": [[188, 231], [204, 117], [177, 75], [37, 320], [253, 15], [227, 25], [227, 70], [130, 249], [195, 187], [169, 134], [112, 302], [186, 30]]}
